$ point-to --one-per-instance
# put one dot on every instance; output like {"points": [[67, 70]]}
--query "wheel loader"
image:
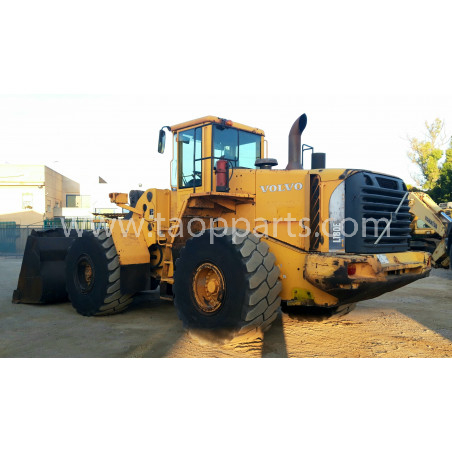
{"points": [[233, 238]]}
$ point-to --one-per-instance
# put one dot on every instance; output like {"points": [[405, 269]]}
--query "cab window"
{"points": [[239, 147], [189, 158]]}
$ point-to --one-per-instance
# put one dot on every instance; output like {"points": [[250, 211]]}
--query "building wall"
{"points": [[27, 191], [57, 187]]}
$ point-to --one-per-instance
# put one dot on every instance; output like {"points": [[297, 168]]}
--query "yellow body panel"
{"points": [[133, 237], [292, 264], [425, 209], [131, 246], [372, 275], [440, 254]]}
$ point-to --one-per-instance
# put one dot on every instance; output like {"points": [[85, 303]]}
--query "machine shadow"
{"points": [[274, 343], [438, 320], [167, 329], [160, 342]]}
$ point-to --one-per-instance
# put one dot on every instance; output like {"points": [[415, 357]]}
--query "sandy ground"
{"points": [[414, 321]]}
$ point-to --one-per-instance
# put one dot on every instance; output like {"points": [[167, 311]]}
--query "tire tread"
{"points": [[114, 301], [262, 293]]}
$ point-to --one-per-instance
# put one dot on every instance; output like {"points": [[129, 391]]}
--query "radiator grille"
{"points": [[375, 198]]}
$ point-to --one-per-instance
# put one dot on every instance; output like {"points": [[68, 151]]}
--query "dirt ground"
{"points": [[414, 321]]}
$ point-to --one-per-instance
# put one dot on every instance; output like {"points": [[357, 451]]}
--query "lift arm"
{"points": [[424, 208]]}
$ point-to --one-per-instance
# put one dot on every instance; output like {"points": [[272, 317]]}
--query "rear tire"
{"points": [[230, 284], [93, 276]]}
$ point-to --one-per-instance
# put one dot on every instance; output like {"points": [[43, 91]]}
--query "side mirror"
{"points": [[162, 140]]}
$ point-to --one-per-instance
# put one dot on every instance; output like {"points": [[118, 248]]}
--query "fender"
{"points": [[134, 257]]}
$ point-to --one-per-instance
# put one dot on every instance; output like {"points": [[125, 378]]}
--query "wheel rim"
{"points": [[84, 276], [208, 288]]}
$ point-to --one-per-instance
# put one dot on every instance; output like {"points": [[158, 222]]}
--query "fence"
{"points": [[74, 223], [13, 237]]}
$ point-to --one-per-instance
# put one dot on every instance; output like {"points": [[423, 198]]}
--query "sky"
{"points": [[85, 87]]}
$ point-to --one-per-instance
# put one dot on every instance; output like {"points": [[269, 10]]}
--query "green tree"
{"points": [[427, 153], [442, 192]]}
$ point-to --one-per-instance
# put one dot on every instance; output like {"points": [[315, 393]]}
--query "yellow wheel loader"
{"points": [[233, 238]]}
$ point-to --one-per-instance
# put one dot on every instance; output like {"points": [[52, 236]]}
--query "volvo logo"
{"points": [[282, 187]]}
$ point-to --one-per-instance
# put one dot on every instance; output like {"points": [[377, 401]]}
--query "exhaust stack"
{"points": [[295, 143]]}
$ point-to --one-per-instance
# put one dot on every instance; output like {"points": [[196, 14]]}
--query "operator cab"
{"points": [[200, 143]]}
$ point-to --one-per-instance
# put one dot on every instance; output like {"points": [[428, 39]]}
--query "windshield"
{"points": [[239, 147]]}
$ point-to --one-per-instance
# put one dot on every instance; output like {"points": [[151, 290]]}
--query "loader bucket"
{"points": [[42, 275]]}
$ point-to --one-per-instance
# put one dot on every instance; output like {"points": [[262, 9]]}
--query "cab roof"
{"points": [[215, 120]]}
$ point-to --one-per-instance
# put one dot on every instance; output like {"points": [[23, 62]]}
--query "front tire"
{"points": [[229, 284], [93, 276]]}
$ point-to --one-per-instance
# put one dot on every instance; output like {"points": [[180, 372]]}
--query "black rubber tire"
{"points": [[252, 288], [104, 296], [134, 196]]}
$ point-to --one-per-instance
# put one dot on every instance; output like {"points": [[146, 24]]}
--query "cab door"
{"points": [[190, 164]]}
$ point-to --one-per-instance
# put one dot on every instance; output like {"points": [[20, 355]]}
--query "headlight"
{"points": [[336, 219]]}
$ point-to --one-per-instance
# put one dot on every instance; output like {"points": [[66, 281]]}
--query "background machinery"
{"points": [[431, 229], [446, 207], [233, 238]]}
